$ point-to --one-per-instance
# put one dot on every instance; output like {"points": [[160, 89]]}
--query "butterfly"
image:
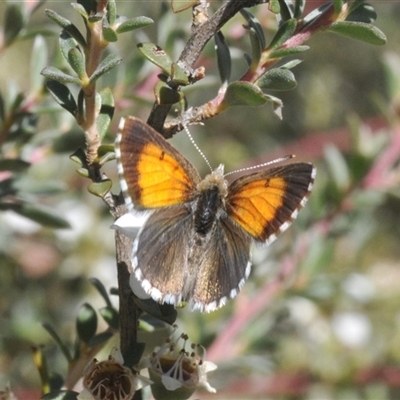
{"points": [[195, 245]]}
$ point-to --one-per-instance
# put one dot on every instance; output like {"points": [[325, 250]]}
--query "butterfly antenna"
{"points": [[277, 160], [197, 147]]}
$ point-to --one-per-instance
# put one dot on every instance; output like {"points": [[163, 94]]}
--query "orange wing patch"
{"points": [[255, 205], [161, 179]]}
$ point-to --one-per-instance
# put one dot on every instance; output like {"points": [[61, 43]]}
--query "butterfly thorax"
{"points": [[212, 191]]}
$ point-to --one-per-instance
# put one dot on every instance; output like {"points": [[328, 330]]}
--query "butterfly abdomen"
{"points": [[206, 210]]}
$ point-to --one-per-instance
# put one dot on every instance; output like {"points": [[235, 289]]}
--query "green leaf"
{"points": [[77, 62], [362, 13], [108, 32], [89, 5], [110, 156], [67, 26], [284, 33], [105, 65], [38, 62], [164, 312], [79, 156], [157, 56], [64, 349], [299, 8], [285, 12], [110, 315], [223, 57], [86, 322], [111, 12], [14, 22], [291, 64], [81, 10], [56, 74], [83, 172], [60, 395], [66, 42], [13, 165], [127, 25], [277, 79], [95, 17], [165, 94], [105, 149], [62, 96], [100, 189], [40, 215], [288, 51], [256, 26], [178, 75], [106, 111], [243, 94], [274, 6], [360, 31], [337, 6], [181, 5], [101, 289]]}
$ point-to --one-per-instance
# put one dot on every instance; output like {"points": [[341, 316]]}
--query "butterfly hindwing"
{"points": [[160, 253], [152, 172], [266, 203], [205, 271], [222, 266]]}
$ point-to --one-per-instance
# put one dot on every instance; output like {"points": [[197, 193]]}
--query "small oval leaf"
{"points": [[243, 94], [165, 94], [13, 165], [277, 79], [40, 215], [60, 76], [128, 25], [105, 65], [156, 55], [223, 57], [359, 31], [108, 32], [110, 315], [106, 111], [86, 322], [62, 96], [101, 289], [181, 5], [14, 22], [284, 33], [288, 51], [100, 189], [77, 62], [67, 26]]}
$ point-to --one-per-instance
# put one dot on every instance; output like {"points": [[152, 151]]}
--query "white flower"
{"points": [[110, 380], [173, 368]]}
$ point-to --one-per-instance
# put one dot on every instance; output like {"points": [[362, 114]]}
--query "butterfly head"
{"points": [[215, 179]]}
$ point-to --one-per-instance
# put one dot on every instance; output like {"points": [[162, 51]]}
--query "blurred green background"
{"points": [[332, 328]]}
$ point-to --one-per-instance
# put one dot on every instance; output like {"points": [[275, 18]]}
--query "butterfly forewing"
{"points": [[266, 202], [152, 172]]}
